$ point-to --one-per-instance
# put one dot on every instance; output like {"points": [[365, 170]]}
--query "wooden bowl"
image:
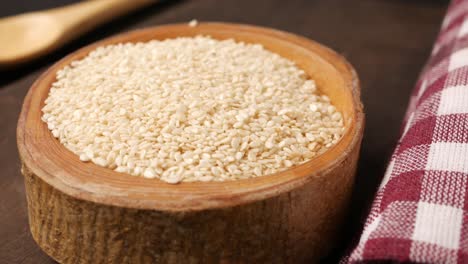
{"points": [[82, 213]]}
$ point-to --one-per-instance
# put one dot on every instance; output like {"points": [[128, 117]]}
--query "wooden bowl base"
{"points": [[276, 230]]}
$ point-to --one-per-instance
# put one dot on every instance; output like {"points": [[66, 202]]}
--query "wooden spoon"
{"points": [[28, 36]]}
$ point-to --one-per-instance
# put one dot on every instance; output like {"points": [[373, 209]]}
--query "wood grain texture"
{"points": [[294, 227], [78, 210]]}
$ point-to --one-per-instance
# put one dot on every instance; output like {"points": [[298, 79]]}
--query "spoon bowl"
{"points": [[28, 36]]}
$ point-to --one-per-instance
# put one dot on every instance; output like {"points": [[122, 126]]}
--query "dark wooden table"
{"points": [[388, 42]]}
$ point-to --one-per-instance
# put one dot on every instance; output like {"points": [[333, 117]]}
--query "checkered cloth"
{"points": [[420, 212]]}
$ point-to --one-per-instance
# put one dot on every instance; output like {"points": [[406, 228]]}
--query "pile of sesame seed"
{"points": [[190, 109]]}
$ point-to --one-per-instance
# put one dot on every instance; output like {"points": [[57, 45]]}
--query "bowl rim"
{"points": [[45, 157]]}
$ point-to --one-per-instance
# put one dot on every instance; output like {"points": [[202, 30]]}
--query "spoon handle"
{"points": [[79, 18]]}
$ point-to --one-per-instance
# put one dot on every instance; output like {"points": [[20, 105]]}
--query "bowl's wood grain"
{"points": [[81, 213]]}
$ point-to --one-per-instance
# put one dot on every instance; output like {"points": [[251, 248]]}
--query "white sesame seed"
{"points": [[84, 157], [269, 144], [193, 23], [190, 109], [235, 142], [206, 178], [174, 178], [137, 171], [100, 161], [121, 169], [55, 133], [149, 173], [258, 171]]}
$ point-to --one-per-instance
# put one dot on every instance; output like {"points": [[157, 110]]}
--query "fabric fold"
{"points": [[420, 212]]}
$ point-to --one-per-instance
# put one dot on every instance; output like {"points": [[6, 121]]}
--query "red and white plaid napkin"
{"points": [[420, 212]]}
